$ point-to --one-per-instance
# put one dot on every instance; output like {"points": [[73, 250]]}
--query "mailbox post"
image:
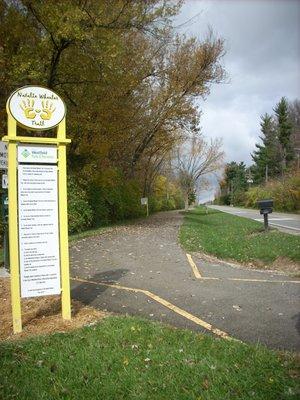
{"points": [[266, 207]]}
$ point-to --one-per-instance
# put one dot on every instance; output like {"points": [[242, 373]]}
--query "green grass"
{"points": [[130, 358], [230, 237]]}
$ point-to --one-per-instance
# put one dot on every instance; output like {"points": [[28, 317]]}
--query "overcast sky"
{"points": [[262, 42]]}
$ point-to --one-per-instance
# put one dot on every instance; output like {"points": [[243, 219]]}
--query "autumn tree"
{"points": [[129, 80], [195, 159]]}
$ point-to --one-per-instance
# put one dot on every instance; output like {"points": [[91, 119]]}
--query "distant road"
{"points": [[289, 223]]}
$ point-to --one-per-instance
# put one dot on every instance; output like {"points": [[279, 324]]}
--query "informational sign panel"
{"points": [[3, 155], [144, 201], [4, 181], [38, 224]]}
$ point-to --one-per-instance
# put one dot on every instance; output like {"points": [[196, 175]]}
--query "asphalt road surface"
{"points": [[140, 269], [289, 223]]}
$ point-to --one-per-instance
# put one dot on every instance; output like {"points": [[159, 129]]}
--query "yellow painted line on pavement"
{"points": [[199, 276], [246, 280], [167, 304], [193, 266]]}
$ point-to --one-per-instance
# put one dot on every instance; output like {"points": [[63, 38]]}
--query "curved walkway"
{"points": [[140, 269]]}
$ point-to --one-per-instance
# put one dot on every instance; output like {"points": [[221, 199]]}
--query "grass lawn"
{"points": [[130, 358], [230, 237]]}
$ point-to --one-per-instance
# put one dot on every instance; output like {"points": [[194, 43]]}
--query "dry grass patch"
{"points": [[42, 315]]}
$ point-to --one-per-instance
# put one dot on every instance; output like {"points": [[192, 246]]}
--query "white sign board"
{"points": [[3, 155], [144, 201], [36, 107], [4, 181], [38, 230], [37, 154]]}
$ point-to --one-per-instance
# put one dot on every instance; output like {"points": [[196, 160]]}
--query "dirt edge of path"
{"points": [[42, 315], [281, 266]]}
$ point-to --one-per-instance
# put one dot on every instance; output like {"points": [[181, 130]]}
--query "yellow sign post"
{"points": [[36, 108]]}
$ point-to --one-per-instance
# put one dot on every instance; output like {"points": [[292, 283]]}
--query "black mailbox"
{"points": [[266, 206]]}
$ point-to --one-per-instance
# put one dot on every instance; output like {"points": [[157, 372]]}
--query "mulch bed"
{"points": [[42, 315]]}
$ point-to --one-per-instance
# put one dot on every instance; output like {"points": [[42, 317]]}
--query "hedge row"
{"points": [[285, 194], [110, 198]]}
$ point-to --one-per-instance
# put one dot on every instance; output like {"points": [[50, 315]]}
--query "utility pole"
{"points": [[231, 193]]}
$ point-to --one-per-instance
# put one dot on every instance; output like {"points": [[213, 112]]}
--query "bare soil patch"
{"points": [[42, 315], [286, 265]]}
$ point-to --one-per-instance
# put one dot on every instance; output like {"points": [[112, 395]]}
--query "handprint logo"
{"points": [[47, 110], [27, 107], [30, 112]]}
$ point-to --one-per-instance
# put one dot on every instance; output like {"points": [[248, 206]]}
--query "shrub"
{"points": [[131, 200], [114, 199], [80, 214], [286, 194], [166, 195], [239, 198], [223, 200]]}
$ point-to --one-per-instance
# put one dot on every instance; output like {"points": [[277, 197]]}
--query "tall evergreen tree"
{"points": [[266, 156], [236, 180], [284, 133]]}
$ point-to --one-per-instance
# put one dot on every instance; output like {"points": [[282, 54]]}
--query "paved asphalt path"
{"points": [[289, 223], [146, 255]]}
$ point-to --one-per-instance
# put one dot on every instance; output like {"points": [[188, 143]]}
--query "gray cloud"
{"points": [[262, 41]]}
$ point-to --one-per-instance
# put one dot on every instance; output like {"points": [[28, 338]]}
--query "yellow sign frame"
{"points": [[61, 141]]}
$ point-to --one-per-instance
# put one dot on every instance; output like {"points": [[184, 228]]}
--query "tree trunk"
{"points": [[186, 202]]}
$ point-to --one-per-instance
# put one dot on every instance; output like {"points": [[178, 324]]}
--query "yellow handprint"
{"points": [[47, 110], [27, 107]]}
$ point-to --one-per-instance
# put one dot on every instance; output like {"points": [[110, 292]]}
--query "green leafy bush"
{"points": [[239, 198], [114, 199], [166, 195], [80, 213], [286, 194], [223, 200]]}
